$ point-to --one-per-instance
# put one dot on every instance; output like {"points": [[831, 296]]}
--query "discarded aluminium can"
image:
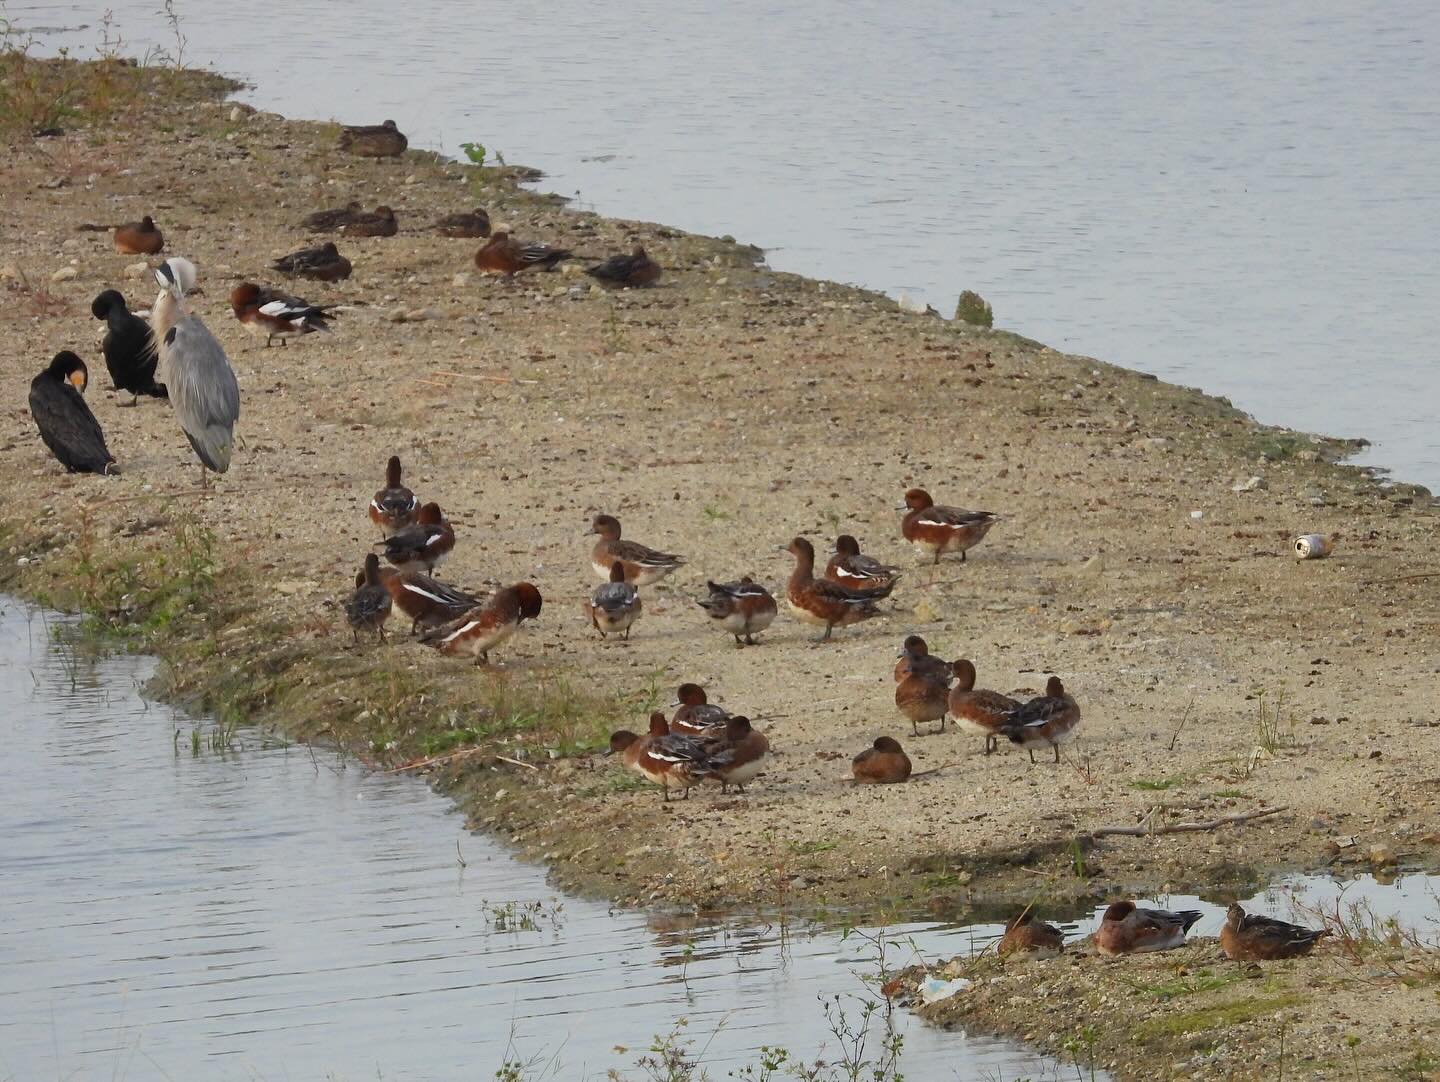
{"points": [[1312, 546]]}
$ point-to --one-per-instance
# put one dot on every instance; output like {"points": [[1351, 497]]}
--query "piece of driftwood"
{"points": [[1185, 828]]}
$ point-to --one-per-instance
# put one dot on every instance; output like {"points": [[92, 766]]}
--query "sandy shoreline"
{"points": [[717, 416]]}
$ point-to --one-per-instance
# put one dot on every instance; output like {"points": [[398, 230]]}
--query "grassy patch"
{"points": [[1155, 784], [1218, 1016], [1186, 985]]}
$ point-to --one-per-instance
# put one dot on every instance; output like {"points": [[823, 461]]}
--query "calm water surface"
{"points": [[1236, 196]]}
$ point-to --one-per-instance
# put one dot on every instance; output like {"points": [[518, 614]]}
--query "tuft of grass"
{"points": [[974, 309], [1186, 984], [1275, 727], [1220, 1015]]}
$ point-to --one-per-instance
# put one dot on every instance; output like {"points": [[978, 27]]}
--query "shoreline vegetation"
{"points": [[1143, 554]]}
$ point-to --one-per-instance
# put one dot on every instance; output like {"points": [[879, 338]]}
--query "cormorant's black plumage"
{"points": [[66, 424], [130, 352]]}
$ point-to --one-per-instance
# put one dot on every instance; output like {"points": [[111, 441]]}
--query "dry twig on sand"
{"points": [[1185, 828]]}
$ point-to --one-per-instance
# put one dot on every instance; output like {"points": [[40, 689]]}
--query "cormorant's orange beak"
{"points": [[78, 379]]}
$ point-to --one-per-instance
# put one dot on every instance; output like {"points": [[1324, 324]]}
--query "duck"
{"points": [[1025, 934], [695, 715], [915, 657], [627, 271], [883, 763], [615, 605], [506, 255], [1127, 929], [129, 347], [937, 530], [394, 507], [66, 425], [487, 626], [139, 238], [324, 264], [328, 221], [1050, 719], [671, 761], [923, 697], [423, 545], [985, 713], [466, 224], [378, 223], [738, 756], [849, 568], [1253, 938], [822, 602], [383, 140], [428, 602], [740, 608], [266, 311], [643, 566], [369, 606]]}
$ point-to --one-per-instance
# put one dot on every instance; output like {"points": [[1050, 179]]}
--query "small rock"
{"points": [[137, 270], [1381, 854], [1197, 515], [1251, 485], [9, 273], [412, 179], [65, 274], [461, 280], [237, 114]]}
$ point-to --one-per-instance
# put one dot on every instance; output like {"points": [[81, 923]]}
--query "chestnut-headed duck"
{"points": [[669, 760], [825, 603], [915, 657], [506, 255], [937, 530], [739, 755], [1250, 938], [394, 506], [628, 271], [741, 608], [129, 348], [466, 224], [328, 221], [643, 566], [985, 713], [424, 544], [369, 605], [380, 222], [486, 626], [1126, 929], [1031, 936], [883, 763], [139, 238], [428, 602], [923, 697], [1047, 721], [383, 140], [67, 427], [615, 605], [276, 315], [695, 715], [325, 263], [849, 567]]}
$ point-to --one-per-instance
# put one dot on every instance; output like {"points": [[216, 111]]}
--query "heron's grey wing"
{"points": [[202, 389]]}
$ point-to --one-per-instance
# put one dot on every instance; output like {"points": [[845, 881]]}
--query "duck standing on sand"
{"points": [[669, 760], [129, 347], [324, 264], [1127, 929], [937, 530], [139, 238], [924, 696], [627, 271], [821, 602], [985, 713], [915, 657], [506, 255], [195, 370], [696, 715], [369, 606], [740, 608], [615, 605], [1253, 938], [1049, 720], [65, 422], [737, 756], [883, 763], [423, 545], [849, 567], [485, 627], [428, 602], [383, 140], [394, 507], [643, 566], [266, 311]]}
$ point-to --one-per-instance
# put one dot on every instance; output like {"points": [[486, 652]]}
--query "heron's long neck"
{"points": [[166, 313]]}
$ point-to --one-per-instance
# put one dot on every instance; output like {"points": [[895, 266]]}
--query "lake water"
{"points": [[1239, 197]]}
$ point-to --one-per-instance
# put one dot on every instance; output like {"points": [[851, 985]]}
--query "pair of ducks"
{"points": [[700, 743], [923, 693], [352, 220], [507, 256], [1127, 928]]}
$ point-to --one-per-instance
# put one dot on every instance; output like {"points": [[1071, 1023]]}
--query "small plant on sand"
{"points": [[1081, 1047], [1275, 729], [974, 309], [474, 153]]}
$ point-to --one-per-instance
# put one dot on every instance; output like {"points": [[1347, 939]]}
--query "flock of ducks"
{"points": [[173, 356]]}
